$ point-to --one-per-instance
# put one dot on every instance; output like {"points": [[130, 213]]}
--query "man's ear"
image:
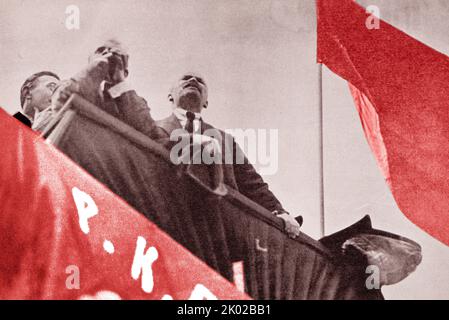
{"points": [[170, 98], [206, 104]]}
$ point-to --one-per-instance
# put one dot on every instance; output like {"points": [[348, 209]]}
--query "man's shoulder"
{"points": [[165, 122], [164, 127]]}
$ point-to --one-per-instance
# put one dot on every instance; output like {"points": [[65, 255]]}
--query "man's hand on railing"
{"points": [[291, 225]]}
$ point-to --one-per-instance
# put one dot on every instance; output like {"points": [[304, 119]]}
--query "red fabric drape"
{"points": [[63, 235], [400, 87]]}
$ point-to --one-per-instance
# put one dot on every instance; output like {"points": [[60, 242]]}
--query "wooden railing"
{"points": [[212, 220]]}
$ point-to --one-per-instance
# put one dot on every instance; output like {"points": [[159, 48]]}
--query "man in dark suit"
{"points": [[189, 97]]}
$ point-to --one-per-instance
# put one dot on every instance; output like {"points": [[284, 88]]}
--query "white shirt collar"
{"points": [[181, 114]]}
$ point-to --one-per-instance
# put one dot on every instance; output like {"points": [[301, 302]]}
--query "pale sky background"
{"points": [[258, 58]]}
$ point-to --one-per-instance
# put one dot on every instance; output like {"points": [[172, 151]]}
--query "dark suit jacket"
{"points": [[22, 118], [128, 107], [131, 109], [242, 177]]}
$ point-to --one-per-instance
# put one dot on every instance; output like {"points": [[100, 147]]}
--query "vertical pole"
{"points": [[321, 147]]}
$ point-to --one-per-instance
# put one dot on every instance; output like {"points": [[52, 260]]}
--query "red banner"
{"points": [[401, 90], [63, 235]]}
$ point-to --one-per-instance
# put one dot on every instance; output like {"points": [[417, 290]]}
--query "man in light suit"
{"points": [[104, 83], [189, 97]]}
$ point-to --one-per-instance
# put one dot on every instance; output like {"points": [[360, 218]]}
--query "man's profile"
{"points": [[35, 96]]}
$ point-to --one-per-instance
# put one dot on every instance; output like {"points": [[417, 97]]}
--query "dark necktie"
{"points": [[189, 123]]}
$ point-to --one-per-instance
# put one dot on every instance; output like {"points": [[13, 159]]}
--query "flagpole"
{"points": [[321, 147]]}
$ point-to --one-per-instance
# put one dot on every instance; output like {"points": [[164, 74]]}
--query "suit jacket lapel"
{"points": [[170, 124]]}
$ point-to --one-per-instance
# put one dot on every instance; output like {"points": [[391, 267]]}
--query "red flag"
{"points": [[401, 89], [63, 235]]}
